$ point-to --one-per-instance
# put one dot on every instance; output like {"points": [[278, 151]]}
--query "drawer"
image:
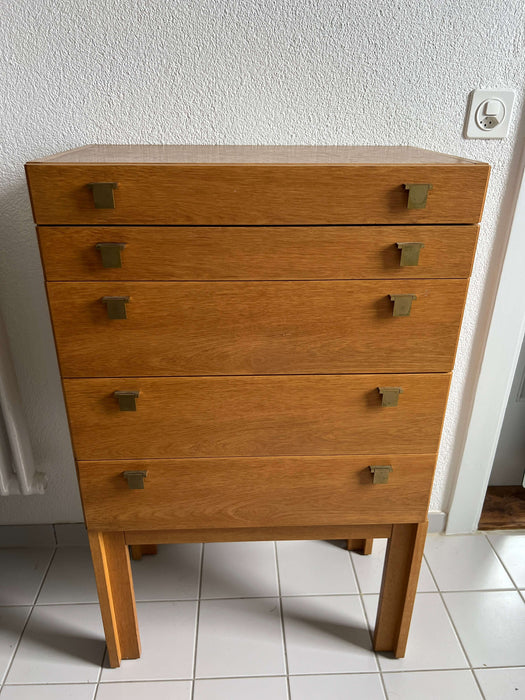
{"points": [[251, 253], [214, 328], [256, 194], [256, 492], [255, 416]]}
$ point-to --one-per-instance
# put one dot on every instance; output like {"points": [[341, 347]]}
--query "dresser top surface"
{"points": [[231, 155]]}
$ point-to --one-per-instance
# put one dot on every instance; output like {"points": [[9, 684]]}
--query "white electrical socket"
{"points": [[488, 115]]}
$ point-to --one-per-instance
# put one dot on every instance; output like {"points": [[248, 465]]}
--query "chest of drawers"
{"points": [[255, 343]]}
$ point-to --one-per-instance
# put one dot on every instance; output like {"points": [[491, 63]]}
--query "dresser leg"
{"points": [[398, 589], [362, 546], [110, 555], [139, 550]]}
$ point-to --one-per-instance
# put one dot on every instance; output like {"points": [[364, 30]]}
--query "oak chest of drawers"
{"points": [[255, 343]]}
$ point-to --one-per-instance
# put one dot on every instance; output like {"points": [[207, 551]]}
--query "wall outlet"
{"points": [[488, 115]]}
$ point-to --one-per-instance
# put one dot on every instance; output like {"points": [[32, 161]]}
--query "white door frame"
{"points": [[504, 341]]}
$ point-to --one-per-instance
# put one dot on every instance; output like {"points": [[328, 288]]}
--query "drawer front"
{"points": [[255, 416], [214, 328], [227, 253], [256, 492], [256, 195]]}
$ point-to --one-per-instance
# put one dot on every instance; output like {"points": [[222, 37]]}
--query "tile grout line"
{"points": [[454, 627], [438, 590], [298, 675], [285, 650], [253, 597], [369, 627], [502, 562], [101, 668], [33, 605], [197, 619]]}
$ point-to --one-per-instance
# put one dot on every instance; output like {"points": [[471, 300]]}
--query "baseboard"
{"points": [[27, 536], [75, 535], [437, 521], [71, 535]]}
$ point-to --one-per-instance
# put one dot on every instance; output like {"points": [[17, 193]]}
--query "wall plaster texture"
{"points": [[241, 72]]}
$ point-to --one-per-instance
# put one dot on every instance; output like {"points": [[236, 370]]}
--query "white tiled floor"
{"points": [[265, 621]]}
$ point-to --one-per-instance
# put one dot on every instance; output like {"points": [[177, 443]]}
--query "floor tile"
{"points": [[12, 621], [240, 637], [432, 642], [61, 644], [369, 570], [314, 568], [432, 685], [337, 687], [241, 689], [70, 578], [502, 683], [167, 633], [327, 634], [239, 569], [84, 691], [465, 562], [157, 690], [491, 625], [171, 574], [511, 550], [22, 573]]}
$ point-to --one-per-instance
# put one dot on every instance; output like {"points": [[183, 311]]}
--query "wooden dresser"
{"points": [[256, 344]]}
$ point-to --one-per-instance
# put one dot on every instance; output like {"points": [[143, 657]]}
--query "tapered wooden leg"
{"points": [[110, 555], [139, 550], [362, 546], [398, 589]]}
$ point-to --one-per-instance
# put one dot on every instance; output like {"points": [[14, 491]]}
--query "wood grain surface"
{"points": [[503, 509], [226, 328], [255, 416], [224, 195], [207, 154], [258, 534], [273, 265], [256, 252], [111, 564], [398, 588], [256, 492]]}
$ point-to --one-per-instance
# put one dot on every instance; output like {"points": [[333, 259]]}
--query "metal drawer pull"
{"points": [[390, 395], [116, 306], [135, 479], [417, 195], [380, 473], [110, 253], [402, 303], [409, 254], [126, 400], [103, 194]]}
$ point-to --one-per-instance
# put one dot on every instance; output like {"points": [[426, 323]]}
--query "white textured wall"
{"points": [[244, 72]]}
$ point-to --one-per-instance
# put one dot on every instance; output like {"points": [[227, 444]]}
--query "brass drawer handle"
{"points": [[380, 473], [409, 254], [417, 195], [103, 194], [402, 303], [116, 306], [135, 479], [110, 253], [127, 400], [390, 395]]}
